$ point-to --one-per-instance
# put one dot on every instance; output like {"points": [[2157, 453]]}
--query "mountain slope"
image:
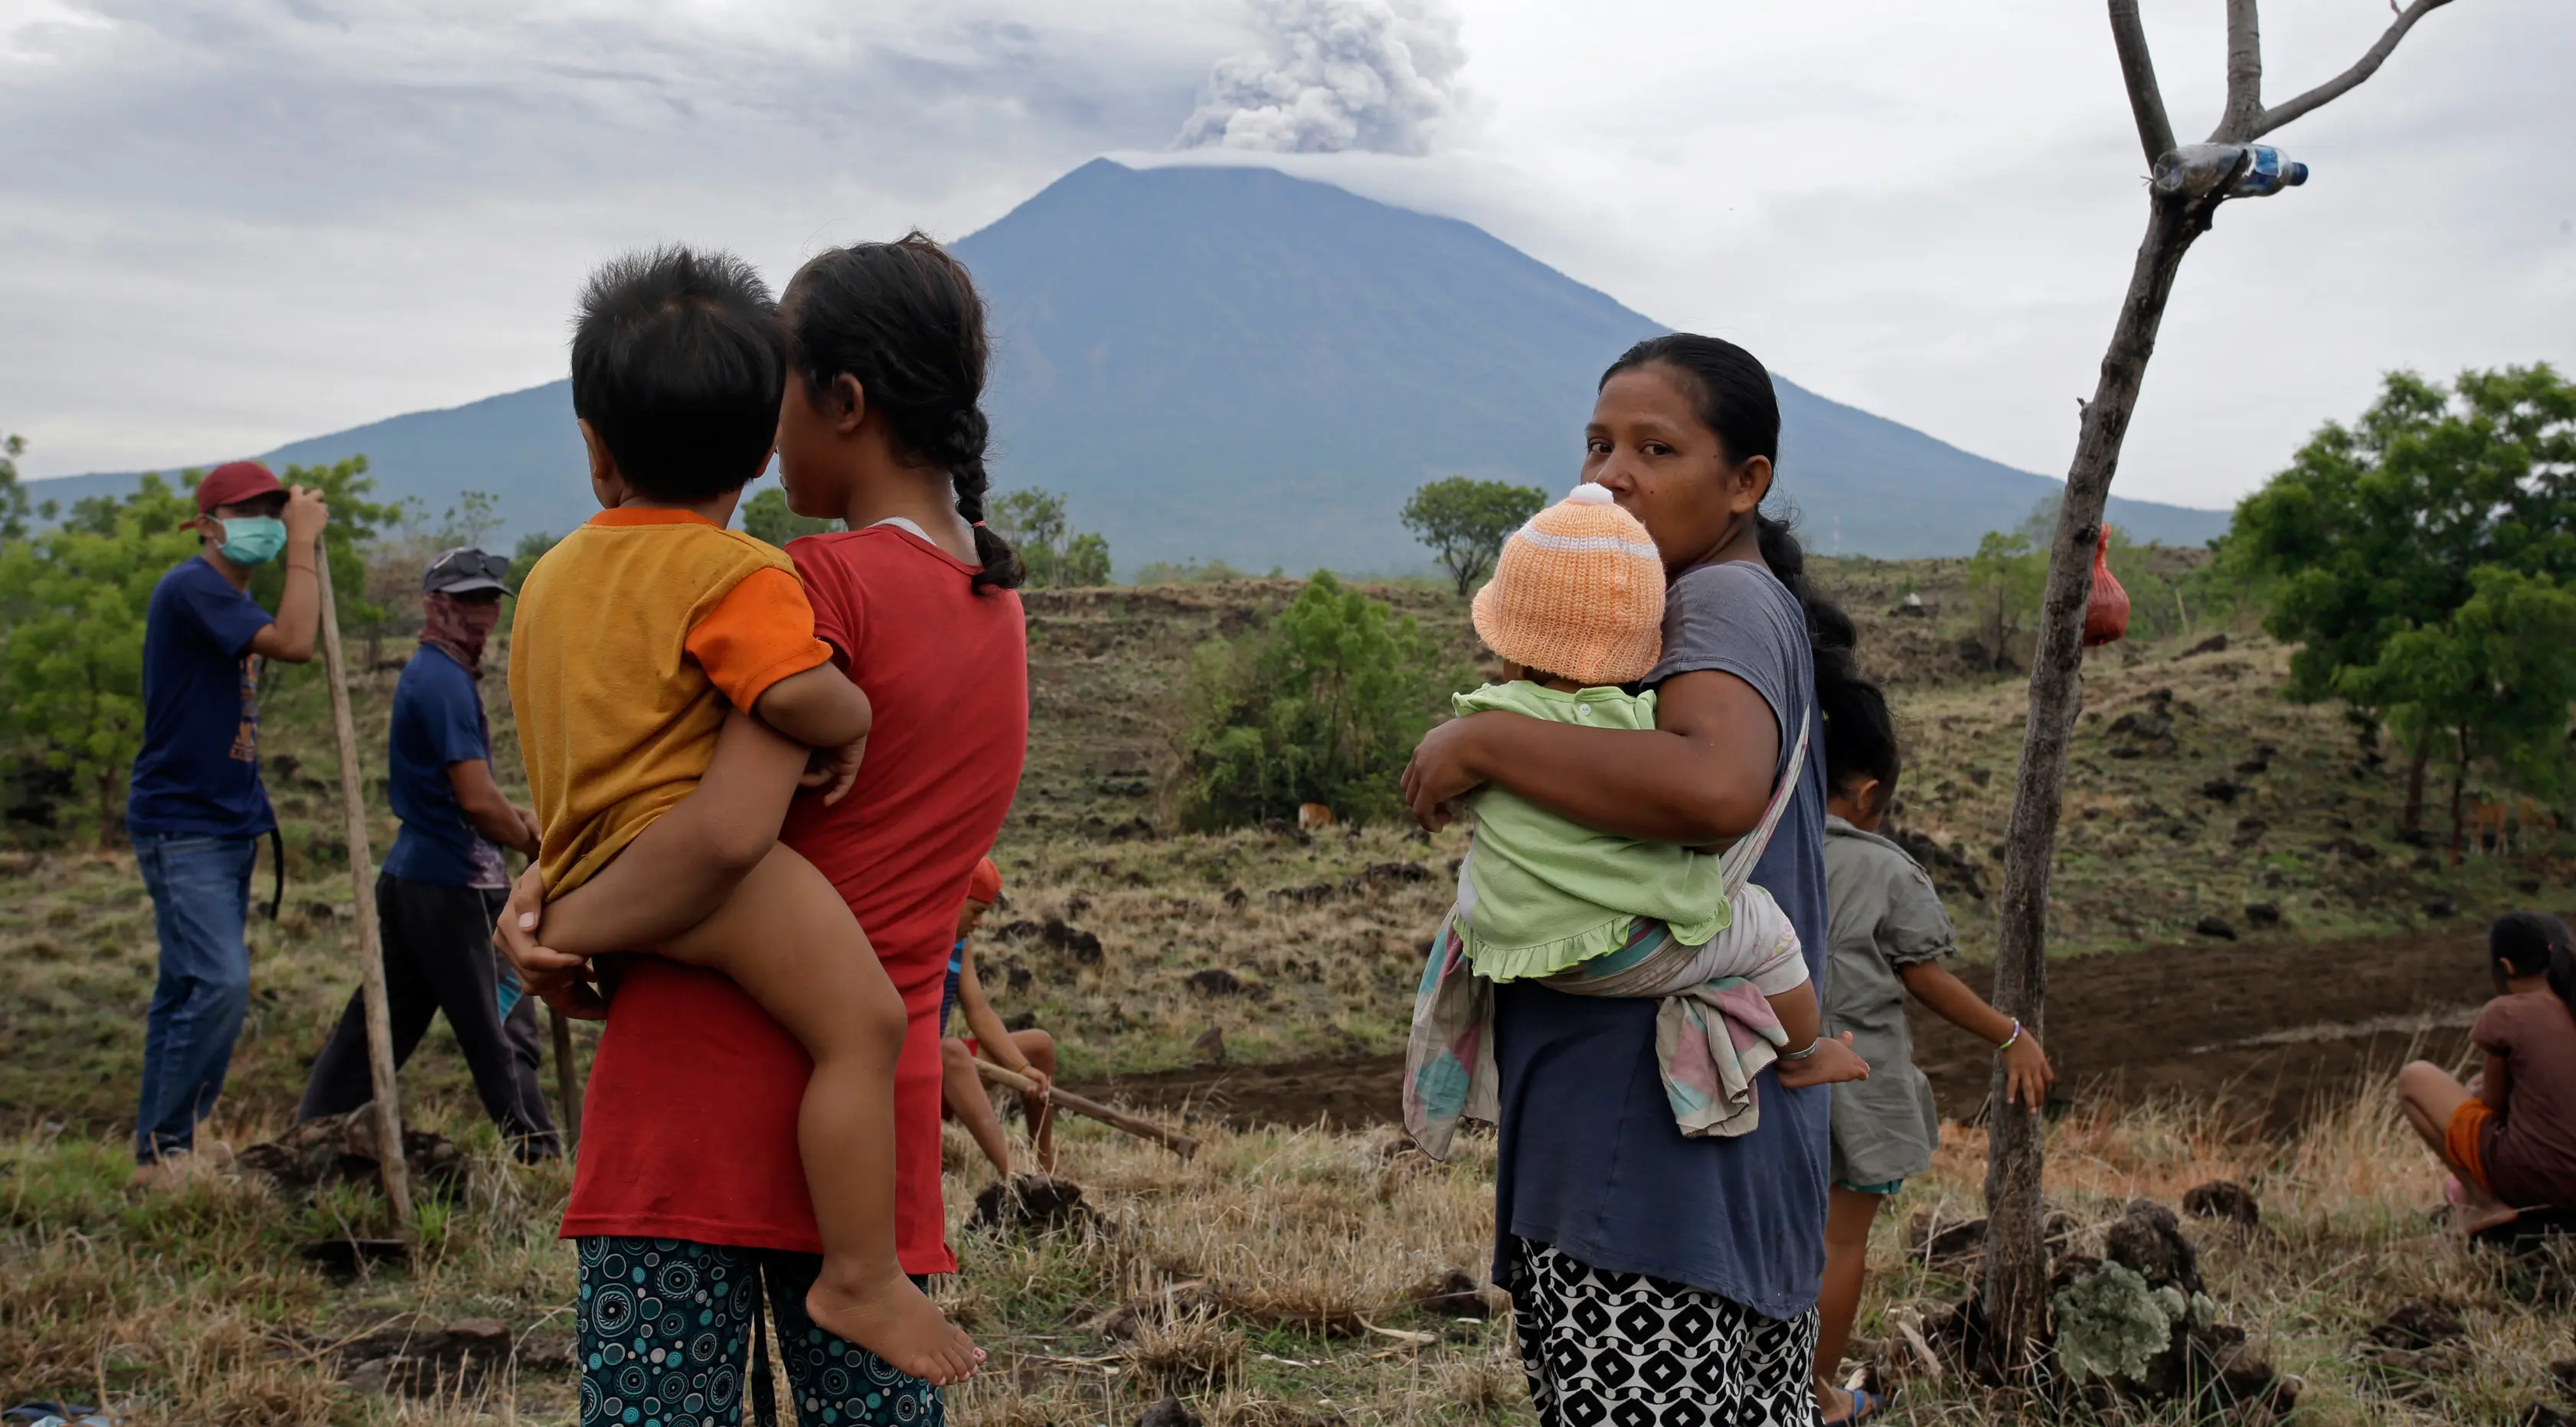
{"points": [[1236, 364]]}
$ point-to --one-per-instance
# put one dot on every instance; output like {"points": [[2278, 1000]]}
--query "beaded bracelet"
{"points": [[2011, 1040]]}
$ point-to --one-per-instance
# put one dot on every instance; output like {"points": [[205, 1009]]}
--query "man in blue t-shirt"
{"points": [[443, 884], [195, 808]]}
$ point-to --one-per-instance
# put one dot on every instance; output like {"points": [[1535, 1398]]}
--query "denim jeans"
{"points": [[200, 901]]}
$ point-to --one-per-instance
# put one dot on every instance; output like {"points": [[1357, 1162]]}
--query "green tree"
{"points": [[2492, 683], [2005, 577], [72, 601], [2377, 528], [471, 521], [532, 547], [766, 517], [1057, 556], [13, 496], [1322, 705], [1465, 522]]}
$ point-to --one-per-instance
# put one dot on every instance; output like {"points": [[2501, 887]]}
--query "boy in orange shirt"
{"points": [[632, 637]]}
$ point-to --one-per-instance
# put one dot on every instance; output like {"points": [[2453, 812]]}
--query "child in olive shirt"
{"points": [[1887, 936]]}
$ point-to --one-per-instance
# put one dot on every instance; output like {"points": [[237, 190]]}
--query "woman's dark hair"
{"points": [[676, 364], [1733, 393], [2534, 944], [1860, 737], [904, 319]]}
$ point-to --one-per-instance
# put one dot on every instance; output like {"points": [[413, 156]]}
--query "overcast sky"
{"points": [[225, 224]]}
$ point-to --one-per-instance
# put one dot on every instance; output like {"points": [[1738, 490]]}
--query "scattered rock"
{"points": [[1061, 936], [1018, 977], [1020, 1021], [2527, 886], [2214, 644], [2224, 1199], [2418, 1323], [1951, 871], [2148, 725], [1210, 1047], [341, 1149], [1454, 1294], [2148, 1239], [1170, 1412], [321, 911], [1029, 1205], [1385, 874], [1215, 981], [2215, 925], [2439, 907], [1312, 894], [2252, 767], [2250, 830], [414, 1356], [2541, 1414], [2262, 914], [1236, 899], [2222, 790]]}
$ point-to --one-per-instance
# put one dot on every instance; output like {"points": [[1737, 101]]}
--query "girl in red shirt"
{"points": [[688, 1198]]}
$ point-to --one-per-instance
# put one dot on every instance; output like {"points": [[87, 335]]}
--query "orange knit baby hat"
{"points": [[1578, 592]]}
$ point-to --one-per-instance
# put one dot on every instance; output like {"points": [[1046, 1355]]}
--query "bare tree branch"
{"points": [[2138, 70], [2244, 70], [2347, 81]]}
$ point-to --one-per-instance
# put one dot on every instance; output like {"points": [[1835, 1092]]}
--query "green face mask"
{"points": [[253, 539]]}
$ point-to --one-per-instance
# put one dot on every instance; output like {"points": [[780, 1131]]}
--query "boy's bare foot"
{"points": [[897, 1322]]}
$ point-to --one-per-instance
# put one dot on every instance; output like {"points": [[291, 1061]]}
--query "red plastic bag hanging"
{"points": [[2106, 611]]}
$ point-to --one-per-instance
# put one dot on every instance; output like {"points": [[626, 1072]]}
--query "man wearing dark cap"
{"points": [[195, 809], [444, 882]]}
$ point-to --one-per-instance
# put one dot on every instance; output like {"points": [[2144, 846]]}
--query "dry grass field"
{"points": [[1292, 1274]]}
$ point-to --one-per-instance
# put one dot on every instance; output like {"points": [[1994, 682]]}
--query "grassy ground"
{"points": [[1278, 1279]]}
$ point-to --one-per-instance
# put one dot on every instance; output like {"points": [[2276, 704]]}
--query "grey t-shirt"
{"points": [[1589, 1157], [1885, 916]]}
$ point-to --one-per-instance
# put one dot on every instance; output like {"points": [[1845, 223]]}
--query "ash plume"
{"points": [[1334, 75]]}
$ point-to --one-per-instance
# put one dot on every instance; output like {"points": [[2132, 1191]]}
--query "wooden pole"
{"points": [[1171, 1139], [567, 1079], [371, 959]]}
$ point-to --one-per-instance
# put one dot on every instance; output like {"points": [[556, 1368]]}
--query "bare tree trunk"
{"points": [[2015, 1297], [2459, 790], [2411, 820]]}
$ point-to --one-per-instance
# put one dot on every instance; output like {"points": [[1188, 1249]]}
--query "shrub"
{"points": [[1321, 705]]}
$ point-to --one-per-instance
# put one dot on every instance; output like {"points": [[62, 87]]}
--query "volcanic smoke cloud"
{"points": [[1334, 75]]}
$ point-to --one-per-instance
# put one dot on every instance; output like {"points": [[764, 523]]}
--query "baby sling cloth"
{"points": [[1714, 1031]]}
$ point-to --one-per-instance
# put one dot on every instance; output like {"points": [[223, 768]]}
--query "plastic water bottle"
{"points": [[2247, 170]]}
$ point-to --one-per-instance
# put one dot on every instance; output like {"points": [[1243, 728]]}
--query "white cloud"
{"points": [[225, 224], [1335, 75]]}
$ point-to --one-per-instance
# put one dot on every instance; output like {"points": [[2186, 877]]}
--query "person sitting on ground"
{"points": [[1575, 609], [1888, 935], [632, 637], [2510, 1134], [1031, 1053], [443, 884], [194, 807]]}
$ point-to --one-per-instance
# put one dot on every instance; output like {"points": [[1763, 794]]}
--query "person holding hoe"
{"points": [[195, 809], [1029, 1054], [443, 884]]}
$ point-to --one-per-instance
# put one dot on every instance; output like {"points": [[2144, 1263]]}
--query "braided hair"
{"points": [[904, 319], [1735, 400]]}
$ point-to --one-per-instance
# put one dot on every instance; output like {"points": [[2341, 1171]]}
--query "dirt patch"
{"points": [[2271, 1028]]}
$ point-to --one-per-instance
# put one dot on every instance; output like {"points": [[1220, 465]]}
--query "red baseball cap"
{"points": [[984, 884], [234, 482]]}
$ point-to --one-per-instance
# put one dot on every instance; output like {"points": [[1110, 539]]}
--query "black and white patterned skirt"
{"points": [[1628, 1350]]}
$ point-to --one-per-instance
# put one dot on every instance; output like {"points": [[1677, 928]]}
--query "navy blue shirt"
{"points": [[1589, 1157], [198, 773], [438, 722]]}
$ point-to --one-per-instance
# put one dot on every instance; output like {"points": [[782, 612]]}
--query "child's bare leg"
{"points": [[787, 938], [972, 1104], [1848, 1215], [1039, 1047]]}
